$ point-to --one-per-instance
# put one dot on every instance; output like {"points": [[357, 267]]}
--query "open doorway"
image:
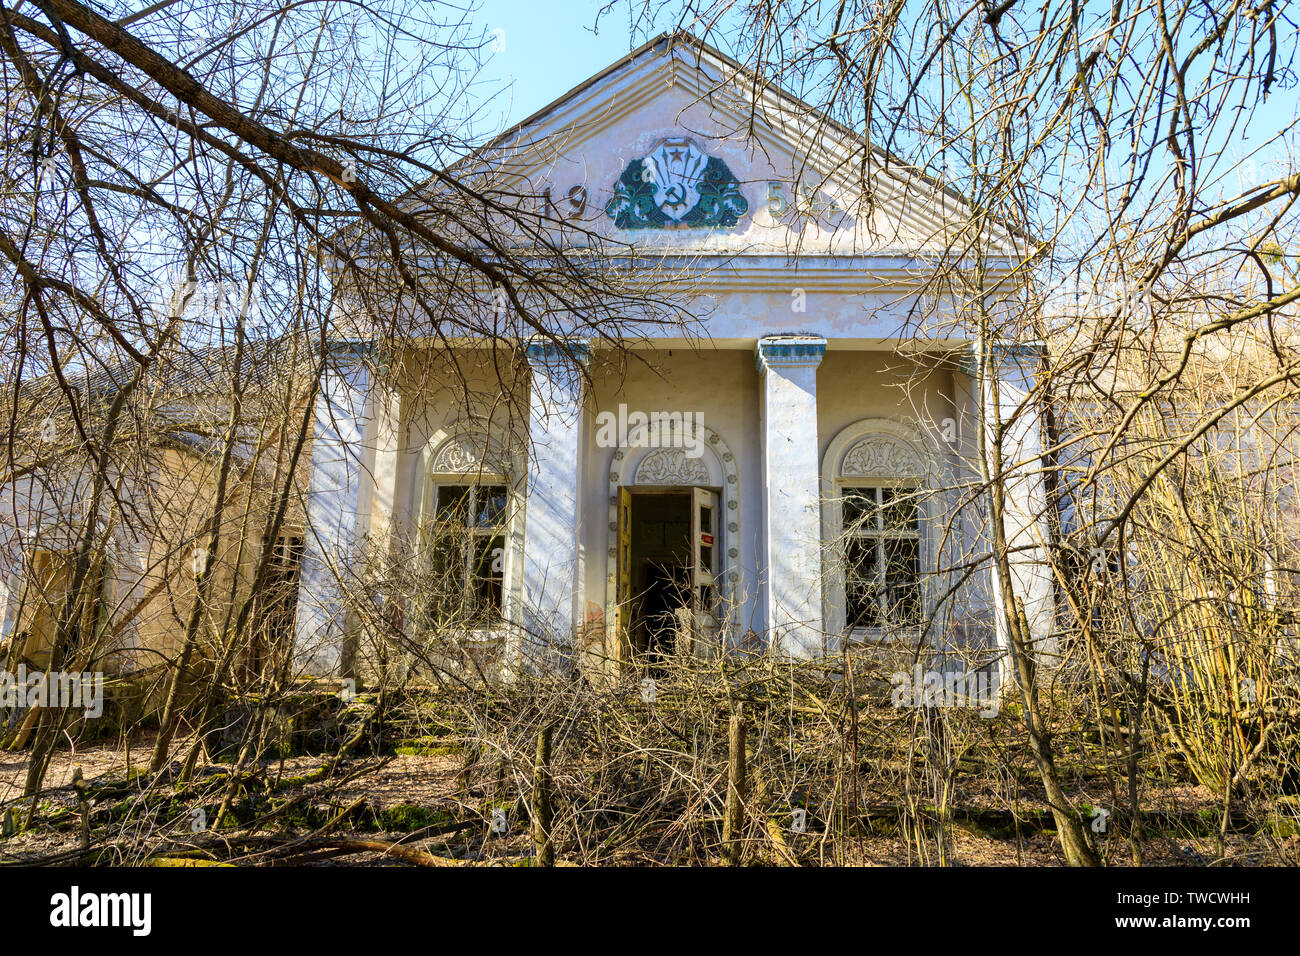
{"points": [[666, 573]]}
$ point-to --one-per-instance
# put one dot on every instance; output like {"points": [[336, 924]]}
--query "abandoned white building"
{"points": [[801, 470]]}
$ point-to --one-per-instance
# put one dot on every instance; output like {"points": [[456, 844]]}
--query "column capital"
{"points": [[557, 352], [1005, 359], [350, 351], [796, 350]]}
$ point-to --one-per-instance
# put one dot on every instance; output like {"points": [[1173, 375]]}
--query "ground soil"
{"points": [[434, 785]]}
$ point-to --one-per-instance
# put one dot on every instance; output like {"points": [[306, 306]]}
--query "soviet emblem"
{"points": [[676, 186]]}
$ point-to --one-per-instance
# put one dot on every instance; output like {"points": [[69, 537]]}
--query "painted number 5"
{"points": [[776, 201]]}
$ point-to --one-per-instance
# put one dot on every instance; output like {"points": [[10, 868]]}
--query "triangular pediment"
{"points": [[669, 149]]}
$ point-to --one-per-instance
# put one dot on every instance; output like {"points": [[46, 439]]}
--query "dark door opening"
{"points": [[667, 593], [660, 527]]}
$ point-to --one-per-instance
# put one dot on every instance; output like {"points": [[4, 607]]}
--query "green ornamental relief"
{"points": [[676, 186]]}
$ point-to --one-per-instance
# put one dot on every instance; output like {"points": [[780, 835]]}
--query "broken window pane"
{"points": [[881, 543], [467, 552]]}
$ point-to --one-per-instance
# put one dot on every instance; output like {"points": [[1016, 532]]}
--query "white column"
{"points": [[1007, 374], [552, 560], [353, 471], [792, 593], [387, 409], [972, 614]]}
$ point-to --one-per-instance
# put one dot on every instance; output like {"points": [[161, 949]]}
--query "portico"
{"points": [[812, 469]]}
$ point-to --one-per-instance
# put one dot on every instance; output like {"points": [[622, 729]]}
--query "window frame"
{"points": [[286, 556], [474, 533], [20, 611], [879, 535], [467, 455], [875, 453], [496, 629]]}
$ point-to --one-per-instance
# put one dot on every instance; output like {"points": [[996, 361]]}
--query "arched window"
{"points": [[874, 524], [469, 533]]}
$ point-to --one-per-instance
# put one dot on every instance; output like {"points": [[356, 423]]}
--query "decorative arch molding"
{"points": [[872, 451], [877, 455], [466, 450], [878, 448], [669, 466]]}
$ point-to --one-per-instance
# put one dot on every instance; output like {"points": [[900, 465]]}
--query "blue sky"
{"points": [[545, 49]]}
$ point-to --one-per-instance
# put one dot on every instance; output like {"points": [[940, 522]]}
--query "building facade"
{"points": [[804, 467]]}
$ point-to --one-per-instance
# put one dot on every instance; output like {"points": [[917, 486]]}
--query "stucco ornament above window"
{"points": [[880, 455], [671, 466], [676, 186], [456, 455]]}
